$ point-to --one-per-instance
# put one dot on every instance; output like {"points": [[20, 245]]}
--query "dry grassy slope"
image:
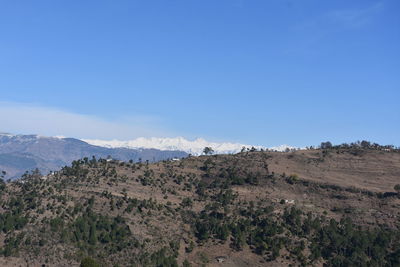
{"points": [[372, 170]]}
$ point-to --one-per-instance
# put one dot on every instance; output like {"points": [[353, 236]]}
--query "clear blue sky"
{"points": [[258, 72]]}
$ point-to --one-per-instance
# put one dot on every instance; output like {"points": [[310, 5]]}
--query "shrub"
{"points": [[89, 262]]}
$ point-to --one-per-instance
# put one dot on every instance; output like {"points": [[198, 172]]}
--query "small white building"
{"points": [[289, 201], [220, 259]]}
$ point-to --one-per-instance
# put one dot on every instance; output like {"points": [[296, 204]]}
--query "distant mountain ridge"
{"points": [[20, 153], [194, 147]]}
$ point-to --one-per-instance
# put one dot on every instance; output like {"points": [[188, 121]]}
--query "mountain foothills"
{"points": [[20, 153], [332, 206]]}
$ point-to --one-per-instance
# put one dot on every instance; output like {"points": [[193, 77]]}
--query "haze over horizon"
{"points": [[261, 73]]}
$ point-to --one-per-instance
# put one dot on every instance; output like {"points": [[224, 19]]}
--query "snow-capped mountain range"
{"points": [[20, 153], [194, 147]]}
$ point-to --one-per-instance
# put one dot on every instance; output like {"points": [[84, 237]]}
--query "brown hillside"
{"points": [[138, 214], [371, 170]]}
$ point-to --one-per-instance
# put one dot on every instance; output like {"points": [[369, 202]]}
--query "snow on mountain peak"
{"points": [[6, 134], [194, 147]]}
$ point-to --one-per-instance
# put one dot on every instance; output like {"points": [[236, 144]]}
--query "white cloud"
{"points": [[29, 118], [340, 19], [355, 18], [311, 32], [140, 131]]}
